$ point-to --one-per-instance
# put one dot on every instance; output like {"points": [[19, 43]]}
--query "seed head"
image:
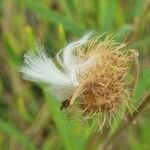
{"points": [[94, 76]]}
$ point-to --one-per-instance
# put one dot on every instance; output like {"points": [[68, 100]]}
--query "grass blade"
{"points": [[65, 128], [52, 16], [143, 85], [9, 129]]}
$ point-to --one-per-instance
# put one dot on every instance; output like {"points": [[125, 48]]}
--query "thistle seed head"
{"points": [[105, 86], [92, 77]]}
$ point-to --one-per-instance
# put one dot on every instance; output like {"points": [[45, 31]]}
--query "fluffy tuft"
{"points": [[39, 67]]}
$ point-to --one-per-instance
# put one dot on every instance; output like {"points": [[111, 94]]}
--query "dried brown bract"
{"points": [[105, 87]]}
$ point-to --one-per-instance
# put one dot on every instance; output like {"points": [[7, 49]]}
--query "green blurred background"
{"points": [[30, 118]]}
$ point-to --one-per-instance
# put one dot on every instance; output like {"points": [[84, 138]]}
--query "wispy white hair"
{"points": [[39, 67]]}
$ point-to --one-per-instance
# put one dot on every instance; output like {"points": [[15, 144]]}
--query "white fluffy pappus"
{"points": [[40, 68]]}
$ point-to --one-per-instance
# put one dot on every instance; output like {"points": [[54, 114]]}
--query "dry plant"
{"points": [[105, 88], [94, 79]]}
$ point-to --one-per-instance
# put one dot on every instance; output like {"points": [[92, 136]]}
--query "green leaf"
{"points": [[142, 42], [68, 6], [123, 32], [138, 7], [69, 137], [31, 39], [49, 143], [119, 14], [23, 110], [12, 55], [143, 85], [52, 16], [107, 14]]}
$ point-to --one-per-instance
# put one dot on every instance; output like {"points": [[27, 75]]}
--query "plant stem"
{"points": [[125, 124], [135, 55], [38, 122]]}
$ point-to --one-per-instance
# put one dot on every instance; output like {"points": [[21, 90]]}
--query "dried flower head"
{"points": [[93, 76]]}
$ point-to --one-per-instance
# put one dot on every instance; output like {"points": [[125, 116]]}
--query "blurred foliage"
{"points": [[29, 116]]}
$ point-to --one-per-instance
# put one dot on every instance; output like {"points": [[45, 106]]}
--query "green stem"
{"points": [[125, 124]]}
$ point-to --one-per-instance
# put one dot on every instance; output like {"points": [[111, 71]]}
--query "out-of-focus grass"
{"points": [[29, 116]]}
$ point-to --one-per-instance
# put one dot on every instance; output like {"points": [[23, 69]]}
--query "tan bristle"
{"points": [[105, 85]]}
